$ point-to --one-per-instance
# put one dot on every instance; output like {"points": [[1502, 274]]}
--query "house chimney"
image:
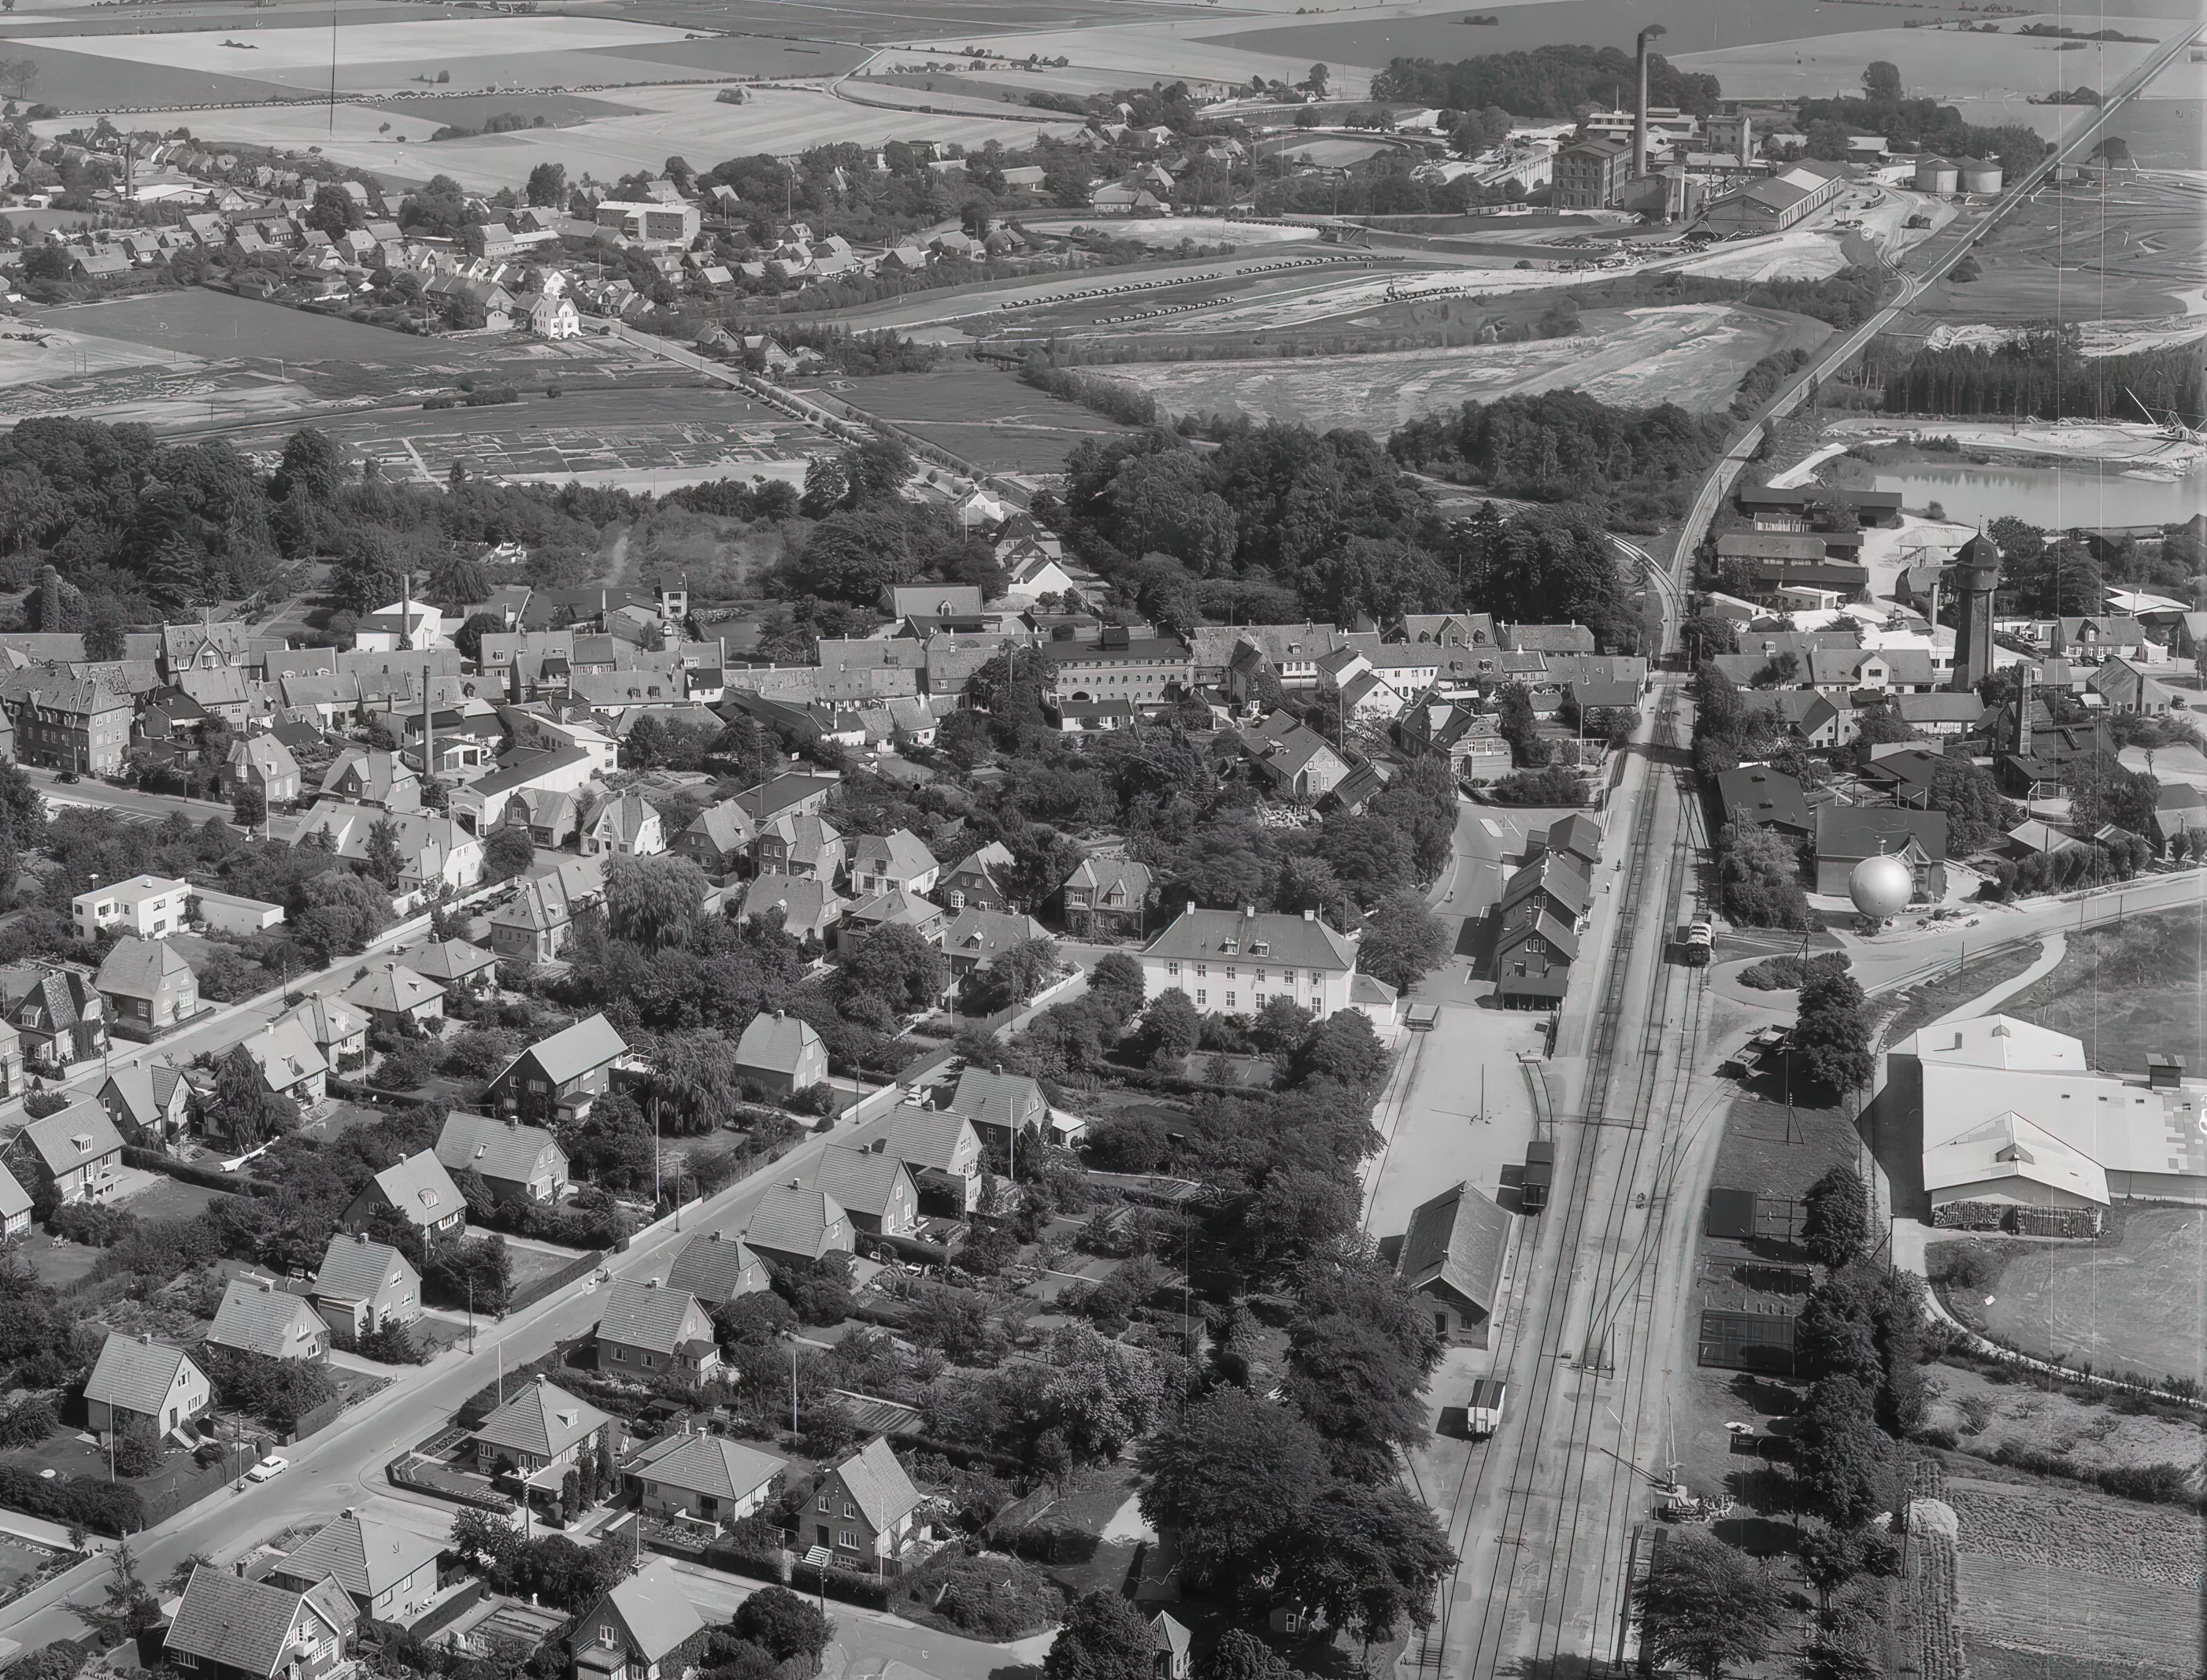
{"points": [[1191, 906], [713, 1237], [240, 1567], [539, 1377], [1310, 915], [1249, 911], [361, 1237], [146, 1338]]}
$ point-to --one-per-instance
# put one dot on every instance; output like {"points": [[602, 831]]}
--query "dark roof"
{"points": [[1457, 1239], [1865, 831], [1767, 798], [241, 1624]]}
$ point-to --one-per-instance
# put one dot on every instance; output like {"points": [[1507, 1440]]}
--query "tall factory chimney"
{"points": [[1640, 111]]}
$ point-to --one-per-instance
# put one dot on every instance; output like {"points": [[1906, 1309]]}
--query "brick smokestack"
{"points": [[1640, 111]]}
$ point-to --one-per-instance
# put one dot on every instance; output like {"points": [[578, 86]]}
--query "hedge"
{"points": [[111, 1507]]}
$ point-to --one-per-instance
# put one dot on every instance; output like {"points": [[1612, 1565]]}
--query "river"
{"points": [[2086, 494]]}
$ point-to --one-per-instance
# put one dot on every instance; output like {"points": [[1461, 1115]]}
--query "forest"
{"points": [[2046, 376], [1563, 445], [1548, 83], [1278, 523]]}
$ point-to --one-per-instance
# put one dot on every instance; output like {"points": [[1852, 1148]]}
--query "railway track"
{"points": [[1553, 1479]]}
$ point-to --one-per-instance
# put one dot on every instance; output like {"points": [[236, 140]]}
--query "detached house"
{"points": [[976, 881], [388, 1572], [627, 828], [419, 1191], [893, 863], [1106, 898], [876, 1191], [393, 996], [136, 1378], [228, 1628], [77, 1151], [516, 1163], [256, 1316], [704, 1480], [542, 1426], [718, 840], [649, 1327], [716, 1267], [794, 1223], [561, 1074], [644, 1629], [863, 1510], [59, 1015], [148, 987], [781, 1053], [363, 1287]]}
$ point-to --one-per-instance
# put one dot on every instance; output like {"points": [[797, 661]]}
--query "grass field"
{"points": [[982, 413], [1935, 64], [1695, 356], [218, 326], [2127, 991], [2139, 1303]]}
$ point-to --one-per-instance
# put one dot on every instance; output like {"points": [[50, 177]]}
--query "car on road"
{"points": [[268, 1469]]}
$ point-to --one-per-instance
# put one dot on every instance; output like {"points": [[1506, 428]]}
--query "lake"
{"points": [[2081, 494]]}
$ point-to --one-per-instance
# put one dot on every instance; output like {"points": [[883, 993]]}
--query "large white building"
{"points": [[2012, 1114], [150, 907], [1233, 962]]}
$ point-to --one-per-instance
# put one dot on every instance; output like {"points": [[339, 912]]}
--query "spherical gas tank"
{"points": [[1881, 887]]}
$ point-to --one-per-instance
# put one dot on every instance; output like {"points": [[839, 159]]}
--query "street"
{"points": [[342, 1466]]}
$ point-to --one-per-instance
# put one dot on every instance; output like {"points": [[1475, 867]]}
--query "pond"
{"points": [[2086, 494]]}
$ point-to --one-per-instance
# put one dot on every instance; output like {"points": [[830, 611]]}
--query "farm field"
{"points": [[2127, 991], [1695, 356], [1936, 64], [897, 19], [2139, 1303], [982, 413], [218, 326], [2026, 1621], [656, 123]]}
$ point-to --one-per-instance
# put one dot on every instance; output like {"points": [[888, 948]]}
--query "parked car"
{"points": [[269, 1467]]}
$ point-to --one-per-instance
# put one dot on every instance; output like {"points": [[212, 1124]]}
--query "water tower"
{"points": [[1976, 577]]}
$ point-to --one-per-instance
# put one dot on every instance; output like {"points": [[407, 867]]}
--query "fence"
{"points": [[403, 1472], [164, 1495]]}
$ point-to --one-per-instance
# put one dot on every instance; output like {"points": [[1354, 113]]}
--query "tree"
{"points": [[895, 966], [1705, 1605], [130, 1607], [1402, 941], [1882, 80], [384, 862], [1367, 1557], [1230, 1474], [243, 1109], [783, 1624], [1831, 1033], [1758, 879], [248, 805], [333, 211], [137, 1449], [655, 902], [1104, 1638], [1172, 1028], [508, 851], [1360, 1350], [547, 186], [1317, 79], [1837, 1227], [1240, 1655], [1837, 1452]]}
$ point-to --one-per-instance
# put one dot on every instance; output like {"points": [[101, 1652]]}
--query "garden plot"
{"points": [[1695, 356]]}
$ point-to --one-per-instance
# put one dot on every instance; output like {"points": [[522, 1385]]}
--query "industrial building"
{"points": [[1773, 205], [2008, 1114], [1590, 173]]}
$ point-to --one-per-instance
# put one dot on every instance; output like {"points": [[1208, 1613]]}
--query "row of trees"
{"points": [[1547, 83], [2048, 376]]}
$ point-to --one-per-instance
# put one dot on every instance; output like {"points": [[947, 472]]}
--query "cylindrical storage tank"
{"points": [[1981, 178], [1936, 174]]}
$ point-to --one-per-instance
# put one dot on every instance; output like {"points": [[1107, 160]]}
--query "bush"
{"points": [[994, 1599], [40, 1104], [393, 1344], [1785, 974], [137, 1449], [95, 1226], [1556, 784]]}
